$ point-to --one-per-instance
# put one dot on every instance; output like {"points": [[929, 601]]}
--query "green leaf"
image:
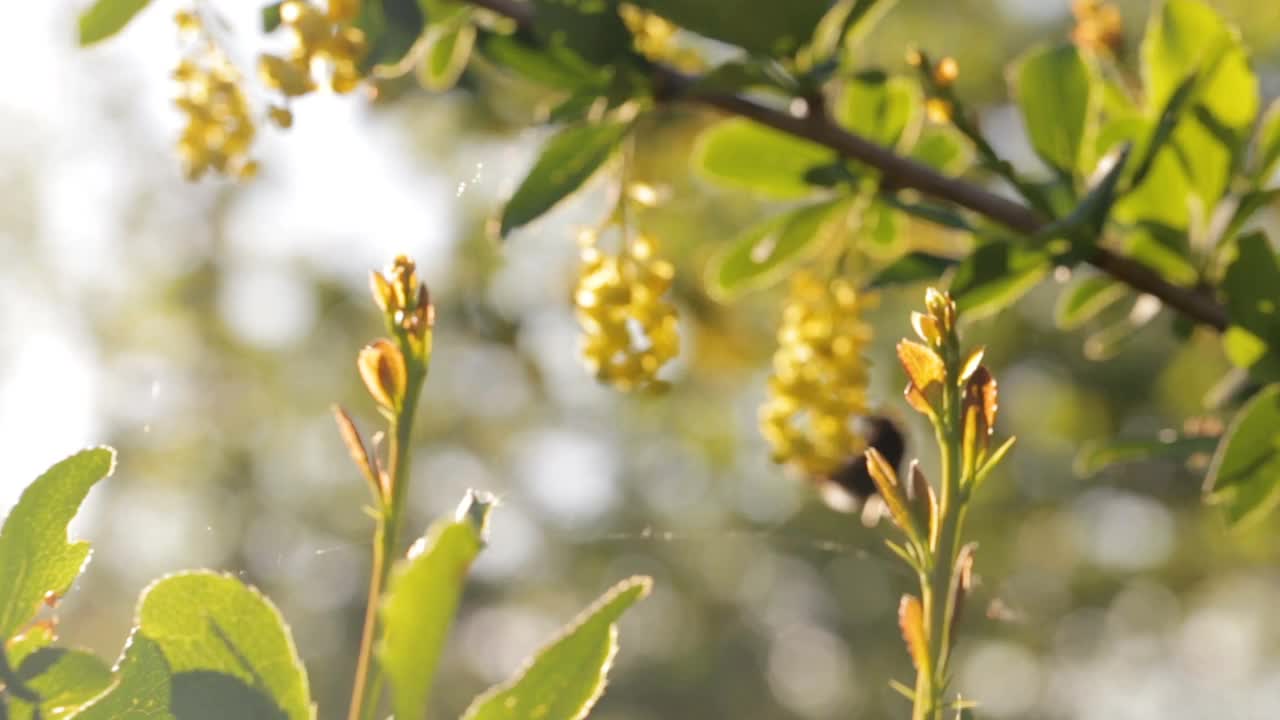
{"points": [[391, 28], [744, 154], [271, 16], [1266, 145], [564, 680], [32, 639], [1162, 249], [746, 73], [559, 70], [567, 161], [1094, 457], [448, 50], [775, 29], [886, 110], [944, 148], [63, 679], [1085, 298], [996, 275], [421, 600], [224, 641], [1188, 37], [1054, 92], [765, 252], [105, 18], [141, 690], [1244, 477], [591, 29], [912, 268], [881, 231], [1250, 283], [35, 556]]}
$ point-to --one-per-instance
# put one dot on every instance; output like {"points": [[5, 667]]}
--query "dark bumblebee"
{"points": [[884, 435]]}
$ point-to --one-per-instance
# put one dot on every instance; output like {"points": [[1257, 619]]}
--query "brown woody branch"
{"points": [[903, 172]]}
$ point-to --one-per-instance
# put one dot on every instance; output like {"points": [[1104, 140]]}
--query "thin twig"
{"points": [[903, 172]]}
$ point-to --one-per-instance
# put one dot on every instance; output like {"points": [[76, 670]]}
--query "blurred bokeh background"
{"points": [[204, 330]]}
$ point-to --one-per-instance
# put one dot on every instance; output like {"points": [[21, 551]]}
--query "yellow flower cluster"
{"points": [[629, 328], [818, 388], [1099, 26], [318, 36], [219, 130]]}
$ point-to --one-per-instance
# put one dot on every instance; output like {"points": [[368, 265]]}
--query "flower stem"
{"points": [[386, 541]]}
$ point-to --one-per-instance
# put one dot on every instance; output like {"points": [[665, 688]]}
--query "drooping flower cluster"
{"points": [[219, 129], [629, 327], [319, 37], [817, 392]]}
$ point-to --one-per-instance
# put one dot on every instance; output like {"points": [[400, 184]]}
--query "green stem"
{"points": [[935, 588], [364, 705]]}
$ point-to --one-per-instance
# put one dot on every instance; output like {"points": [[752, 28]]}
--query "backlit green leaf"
{"points": [[141, 690], [105, 18], [225, 644], [1266, 145], [63, 679], [765, 252], [886, 110], [1244, 477], [1085, 298], [564, 680], [448, 50], [944, 148], [418, 608], [35, 556], [995, 275], [1054, 92], [567, 161], [913, 268], [743, 154]]}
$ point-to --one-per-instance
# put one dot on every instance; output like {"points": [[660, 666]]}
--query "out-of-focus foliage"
{"points": [[204, 330]]}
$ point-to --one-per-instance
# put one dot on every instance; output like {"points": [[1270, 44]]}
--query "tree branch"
{"points": [[903, 172]]}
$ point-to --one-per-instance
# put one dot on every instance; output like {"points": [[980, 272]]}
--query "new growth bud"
{"points": [[406, 306], [383, 370]]}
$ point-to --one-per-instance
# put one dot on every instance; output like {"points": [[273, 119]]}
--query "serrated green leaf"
{"points": [[35, 556], [564, 680], [774, 29], [1084, 298], [744, 154], [141, 690], [63, 679], [567, 161], [105, 18], [1097, 456], [1055, 94], [996, 275], [418, 608], [448, 49], [32, 639], [886, 110], [766, 251], [224, 640], [944, 148], [912, 268], [1244, 477]]}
